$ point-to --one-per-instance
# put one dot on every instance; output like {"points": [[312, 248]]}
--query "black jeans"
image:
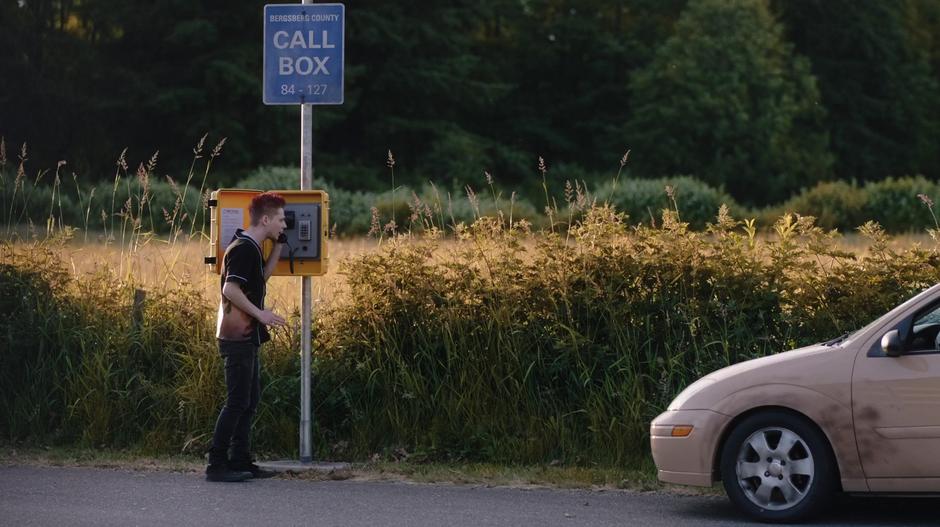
{"points": [[242, 380]]}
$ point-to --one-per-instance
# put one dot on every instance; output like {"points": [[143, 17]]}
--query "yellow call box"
{"points": [[306, 214]]}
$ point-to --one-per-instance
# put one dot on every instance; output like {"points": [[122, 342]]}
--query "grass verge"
{"points": [[638, 479]]}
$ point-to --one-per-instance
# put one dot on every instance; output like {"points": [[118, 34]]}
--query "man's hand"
{"points": [[268, 318], [235, 294]]}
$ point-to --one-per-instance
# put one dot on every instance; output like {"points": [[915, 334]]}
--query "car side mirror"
{"points": [[891, 343]]}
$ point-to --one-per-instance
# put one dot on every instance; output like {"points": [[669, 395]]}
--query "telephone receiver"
{"points": [[282, 238]]}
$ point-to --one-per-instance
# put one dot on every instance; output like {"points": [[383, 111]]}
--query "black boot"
{"points": [[255, 471], [220, 472]]}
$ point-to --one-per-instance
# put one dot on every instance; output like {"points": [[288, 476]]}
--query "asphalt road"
{"points": [[83, 496]]}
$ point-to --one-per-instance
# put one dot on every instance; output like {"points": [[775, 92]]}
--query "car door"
{"points": [[896, 403]]}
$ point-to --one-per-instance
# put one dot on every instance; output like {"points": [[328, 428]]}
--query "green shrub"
{"points": [[276, 178], [643, 200], [167, 206], [84, 364], [834, 204], [157, 206], [38, 344], [517, 349], [501, 345], [351, 211], [894, 204]]}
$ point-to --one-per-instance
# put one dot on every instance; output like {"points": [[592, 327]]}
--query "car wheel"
{"points": [[778, 467]]}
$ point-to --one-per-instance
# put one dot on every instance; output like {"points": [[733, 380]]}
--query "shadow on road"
{"points": [[845, 510]]}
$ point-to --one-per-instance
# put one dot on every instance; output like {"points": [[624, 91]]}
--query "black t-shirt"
{"points": [[243, 264]]}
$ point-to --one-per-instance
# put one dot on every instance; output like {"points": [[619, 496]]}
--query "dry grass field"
{"points": [[156, 264]]}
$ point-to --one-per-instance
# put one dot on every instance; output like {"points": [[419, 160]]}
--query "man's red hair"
{"points": [[265, 204]]}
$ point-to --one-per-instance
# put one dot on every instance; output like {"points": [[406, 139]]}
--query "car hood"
{"points": [[826, 369]]}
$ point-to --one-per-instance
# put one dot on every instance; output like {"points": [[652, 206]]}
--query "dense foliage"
{"points": [[722, 90], [143, 203], [876, 68], [725, 98], [505, 344]]}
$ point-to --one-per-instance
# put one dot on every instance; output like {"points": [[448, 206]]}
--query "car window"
{"points": [[898, 309], [931, 317], [926, 333]]}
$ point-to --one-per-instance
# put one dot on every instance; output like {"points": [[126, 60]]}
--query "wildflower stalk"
{"points": [[390, 163], [543, 169], [17, 182], [201, 211], [935, 232], [121, 165], [489, 181], [197, 154], [613, 187]]}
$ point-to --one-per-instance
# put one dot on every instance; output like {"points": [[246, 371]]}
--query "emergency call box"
{"points": [[306, 213]]}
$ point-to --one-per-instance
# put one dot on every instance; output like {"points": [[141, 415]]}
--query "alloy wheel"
{"points": [[775, 468]]}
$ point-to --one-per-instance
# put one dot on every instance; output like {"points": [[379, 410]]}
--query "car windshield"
{"points": [[879, 320]]}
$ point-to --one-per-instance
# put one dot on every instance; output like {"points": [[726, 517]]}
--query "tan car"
{"points": [[858, 414]]}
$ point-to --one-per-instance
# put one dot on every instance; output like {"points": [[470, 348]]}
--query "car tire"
{"points": [[777, 466]]}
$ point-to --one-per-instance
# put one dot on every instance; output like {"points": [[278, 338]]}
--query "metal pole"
{"points": [[306, 178]]}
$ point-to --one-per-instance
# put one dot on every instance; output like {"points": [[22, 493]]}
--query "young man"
{"points": [[241, 329]]}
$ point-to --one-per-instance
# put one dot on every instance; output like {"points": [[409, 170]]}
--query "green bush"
{"points": [[894, 203], [276, 178], [519, 349], [500, 345], [351, 211], [157, 206], [166, 205], [835, 204], [643, 200], [86, 363], [38, 344]]}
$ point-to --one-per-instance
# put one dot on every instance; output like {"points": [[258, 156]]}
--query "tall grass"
{"points": [[526, 347], [81, 365], [486, 338], [83, 360]]}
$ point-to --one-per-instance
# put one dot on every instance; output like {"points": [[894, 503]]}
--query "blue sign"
{"points": [[303, 53]]}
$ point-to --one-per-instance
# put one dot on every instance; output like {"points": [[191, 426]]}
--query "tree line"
{"points": [[760, 97]]}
